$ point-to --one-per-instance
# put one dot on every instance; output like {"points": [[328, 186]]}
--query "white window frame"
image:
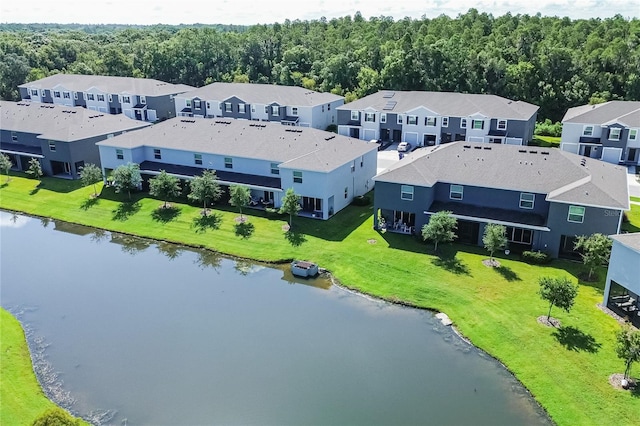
{"points": [[266, 109], [463, 123], [197, 159], [412, 120], [34, 92], [406, 192], [197, 103], [525, 202], [456, 189], [187, 103], [370, 117], [228, 107], [242, 108], [110, 98], [587, 130], [297, 176], [14, 136], [157, 154], [383, 117], [616, 136], [400, 119], [502, 125], [126, 99], [91, 97], [275, 110], [100, 98], [52, 146], [143, 100], [581, 215], [633, 134], [66, 95], [430, 121], [228, 163], [119, 154], [355, 115], [274, 169], [445, 121], [56, 94], [294, 111], [473, 124]]}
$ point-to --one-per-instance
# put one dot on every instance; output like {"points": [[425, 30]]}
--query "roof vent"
{"points": [[466, 146], [544, 152], [523, 151], [390, 105], [388, 95], [477, 147], [533, 152], [329, 138], [486, 147]]}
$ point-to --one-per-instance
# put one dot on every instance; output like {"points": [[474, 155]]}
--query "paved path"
{"points": [[388, 157], [634, 185]]}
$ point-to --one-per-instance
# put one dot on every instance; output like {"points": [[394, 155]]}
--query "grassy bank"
{"points": [[546, 141], [566, 369]]}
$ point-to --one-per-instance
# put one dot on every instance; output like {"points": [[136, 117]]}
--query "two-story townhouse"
{"points": [[622, 286], [291, 105], [325, 169], [138, 98], [63, 138], [545, 197], [432, 118], [609, 131]]}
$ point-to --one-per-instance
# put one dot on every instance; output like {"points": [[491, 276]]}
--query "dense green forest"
{"points": [[552, 62]]}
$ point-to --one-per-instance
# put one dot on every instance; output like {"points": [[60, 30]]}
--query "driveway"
{"points": [[634, 185], [388, 157]]}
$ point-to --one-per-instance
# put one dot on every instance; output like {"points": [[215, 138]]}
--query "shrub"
{"points": [[361, 200], [332, 128], [547, 128], [536, 257]]}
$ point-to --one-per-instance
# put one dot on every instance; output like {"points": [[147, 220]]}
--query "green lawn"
{"points": [[636, 199], [632, 224], [565, 369], [546, 141]]}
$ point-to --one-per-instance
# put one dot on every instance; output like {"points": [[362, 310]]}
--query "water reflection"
{"points": [[164, 343]]}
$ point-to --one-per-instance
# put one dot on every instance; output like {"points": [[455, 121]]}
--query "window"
{"points": [[297, 177], [526, 200], [346, 192], [576, 214], [187, 103], [502, 124], [400, 119], [412, 119], [91, 97], [477, 124], [519, 235], [127, 100], [228, 107], [430, 121], [14, 136], [56, 93], [328, 107], [75, 95], [253, 108], [242, 108], [110, 98], [66, 95], [52, 146], [197, 159], [100, 98], [383, 117], [143, 100], [456, 192], [406, 192], [275, 110], [228, 163], [274, 169], [196, 103], [355, 115], [266, 109], [322, 108], [157, 154], [445, 121], [34, 92], [587, 131], [370, 117], [614, 134], [463, 123], [353, 166], [633, 134], [294, 111], [119, 154], [208, 105]]}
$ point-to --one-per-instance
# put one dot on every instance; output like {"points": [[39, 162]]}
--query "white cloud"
{"points": [[10, 220]]}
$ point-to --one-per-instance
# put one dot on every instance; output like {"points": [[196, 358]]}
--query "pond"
{"points": [[129, 331]]}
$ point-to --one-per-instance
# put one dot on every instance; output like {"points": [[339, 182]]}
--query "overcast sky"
{"points": [[241, 12]]}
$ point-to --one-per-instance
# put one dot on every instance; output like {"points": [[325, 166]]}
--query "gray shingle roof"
{"points": [[563, 176], [263, 94], [302, 148], [630, 240], [109, 84], [446, 104], [624, 112], [62, 123]]}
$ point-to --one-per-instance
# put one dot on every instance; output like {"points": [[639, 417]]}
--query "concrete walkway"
{"points": [[634, 185]]}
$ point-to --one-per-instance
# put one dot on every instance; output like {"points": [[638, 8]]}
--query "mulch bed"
{"points": [[372, 241], [615, 380], [553, 322], [240, 219], [491, 263]]}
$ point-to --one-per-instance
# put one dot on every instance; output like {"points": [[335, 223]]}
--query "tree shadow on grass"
{"points": [[165, 214], [507, 273], [295, 238], [35, 190], [244, 229], [202, 222], [450, 262], [89, 202], [576, 340], [125, 210]]}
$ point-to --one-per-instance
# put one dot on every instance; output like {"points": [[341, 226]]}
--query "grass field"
{"points": [[546, 141], [566, 369]]}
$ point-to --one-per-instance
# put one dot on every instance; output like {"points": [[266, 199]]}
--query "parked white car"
{"points": [[404, 147]]}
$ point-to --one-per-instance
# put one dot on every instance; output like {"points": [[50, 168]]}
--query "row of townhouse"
{"points": [[289, 105], [63, 138], [326, 170], [545, 197], [434, 118], [607, 131], [137, 98]]}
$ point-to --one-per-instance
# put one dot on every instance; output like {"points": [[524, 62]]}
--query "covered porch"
{"points": [[20, 155], [397, 221]]}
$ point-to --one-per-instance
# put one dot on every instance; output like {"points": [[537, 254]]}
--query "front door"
{"points": [[397, 135], [587, 151], [354, 132], [631, 156], [384, 135]]}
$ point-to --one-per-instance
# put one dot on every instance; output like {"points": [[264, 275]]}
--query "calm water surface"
{"points": [[156, 334]]}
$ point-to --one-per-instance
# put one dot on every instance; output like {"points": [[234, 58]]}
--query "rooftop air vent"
{"points": [[533, 152], [544, 152], [388, 95]]}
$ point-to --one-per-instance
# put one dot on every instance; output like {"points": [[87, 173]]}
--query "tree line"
{"points": [[552, 62]]}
